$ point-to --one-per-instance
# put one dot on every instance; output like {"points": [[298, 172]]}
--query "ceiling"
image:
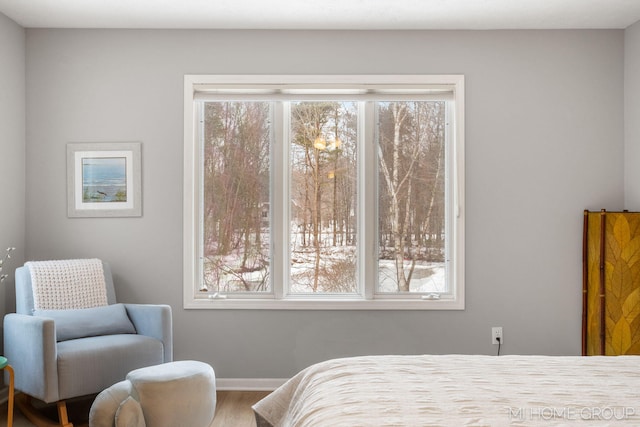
{"points": [[324, 14]]}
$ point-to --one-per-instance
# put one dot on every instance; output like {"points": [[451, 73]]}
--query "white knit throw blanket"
{"points": [[67, 284]]}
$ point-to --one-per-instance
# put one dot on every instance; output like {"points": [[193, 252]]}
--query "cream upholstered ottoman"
{"points": [[172, 394]]}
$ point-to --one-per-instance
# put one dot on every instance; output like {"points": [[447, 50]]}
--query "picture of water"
{"points": [[104, 179]]}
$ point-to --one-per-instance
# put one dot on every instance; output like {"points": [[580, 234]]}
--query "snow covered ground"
{"points": [[337, 274], [337, 269], [427, 277]]}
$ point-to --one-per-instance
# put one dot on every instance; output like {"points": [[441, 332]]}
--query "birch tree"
{"points": [[410, 152]]}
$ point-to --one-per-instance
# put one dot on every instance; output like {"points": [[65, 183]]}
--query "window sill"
{"points": [[324, 304]]}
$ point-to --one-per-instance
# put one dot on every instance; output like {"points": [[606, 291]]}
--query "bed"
{"points": [[458, 390]]}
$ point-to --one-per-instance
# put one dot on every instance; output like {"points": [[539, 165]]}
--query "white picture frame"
{"points": [[104, 179]]}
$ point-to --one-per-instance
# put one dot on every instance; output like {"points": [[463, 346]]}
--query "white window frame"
{"points": [[271, 87]]}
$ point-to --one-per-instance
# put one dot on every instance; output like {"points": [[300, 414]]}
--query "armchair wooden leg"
{"points": [[62, 414], [23, 402]]}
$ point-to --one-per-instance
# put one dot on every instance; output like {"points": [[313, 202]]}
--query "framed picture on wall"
{"points": [[104, 179]]}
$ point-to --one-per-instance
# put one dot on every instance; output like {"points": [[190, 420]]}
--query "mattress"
{"points": [[459, 390]]}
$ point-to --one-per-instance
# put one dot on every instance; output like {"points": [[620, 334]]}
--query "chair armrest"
{"points": [[153, 320], [30, 346]]}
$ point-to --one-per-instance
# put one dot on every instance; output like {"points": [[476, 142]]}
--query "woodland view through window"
{"points": [[323, 194]]}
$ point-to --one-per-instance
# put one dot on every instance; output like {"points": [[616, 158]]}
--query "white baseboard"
{"points": [[223, 384], [249, 384]]}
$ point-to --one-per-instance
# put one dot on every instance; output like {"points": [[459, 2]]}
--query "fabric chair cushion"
{"points": [[89, 322], [119, 354]]}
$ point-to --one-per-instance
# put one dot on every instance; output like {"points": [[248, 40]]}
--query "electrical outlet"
{"points": [[496, 332]]}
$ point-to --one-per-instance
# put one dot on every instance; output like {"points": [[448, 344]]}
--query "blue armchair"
{"points": [[62, 354]]}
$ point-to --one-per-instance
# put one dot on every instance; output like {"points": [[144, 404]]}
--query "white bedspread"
{"points": [[460, 390]]}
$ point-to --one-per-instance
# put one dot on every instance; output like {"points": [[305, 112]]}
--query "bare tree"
{"points": [[236, 181], [308, 122], [410, 151], [323, 184]]}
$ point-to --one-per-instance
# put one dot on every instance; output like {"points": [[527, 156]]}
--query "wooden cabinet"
{"points": [[611, 283]]}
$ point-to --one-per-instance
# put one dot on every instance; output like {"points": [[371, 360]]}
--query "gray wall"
{"points": [[632, 116], [12, 154], [544, 140]]}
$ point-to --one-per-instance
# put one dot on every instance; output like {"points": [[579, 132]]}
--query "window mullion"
{"points": [[367, 216], [280, 198]]}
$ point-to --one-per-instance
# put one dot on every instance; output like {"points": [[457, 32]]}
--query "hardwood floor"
{"points": [[233, 409]]}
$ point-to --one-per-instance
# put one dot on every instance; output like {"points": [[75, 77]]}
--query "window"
{"points": [[324, 192]]}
